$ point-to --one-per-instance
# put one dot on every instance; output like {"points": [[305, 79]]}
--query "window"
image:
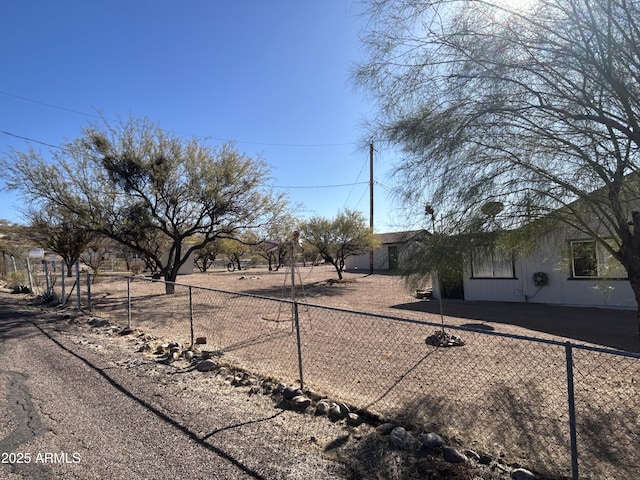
{"points": [[489, 263], [591, 260], [584, 261]]}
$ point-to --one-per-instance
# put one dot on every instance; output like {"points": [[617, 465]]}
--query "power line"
{"points": [[220, 139], [49, 105], [32, 140], [272, 186], [319, 186]]}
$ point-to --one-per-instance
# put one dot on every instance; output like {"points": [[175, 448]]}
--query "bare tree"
{"points": [[535, 109]]}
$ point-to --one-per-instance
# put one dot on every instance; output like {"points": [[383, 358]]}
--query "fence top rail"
{"points": [[513, 336]]}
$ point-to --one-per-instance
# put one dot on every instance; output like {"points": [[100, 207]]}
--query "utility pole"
{"points": [[371, 204]]}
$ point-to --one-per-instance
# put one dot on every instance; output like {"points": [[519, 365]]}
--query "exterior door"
{"points": [[392, 252]]}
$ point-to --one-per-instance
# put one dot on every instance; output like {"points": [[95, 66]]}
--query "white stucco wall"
{"points": [[551, 258], [361, 262]]}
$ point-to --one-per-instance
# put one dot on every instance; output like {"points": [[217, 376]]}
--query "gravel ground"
{"points": [[81, 403]]}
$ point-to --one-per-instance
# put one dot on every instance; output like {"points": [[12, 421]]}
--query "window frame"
{"points": [[493, 262], [601, 262]]}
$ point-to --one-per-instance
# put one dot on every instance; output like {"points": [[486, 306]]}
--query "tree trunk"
{"points": [[169, 279], [631, 260], [69, 269], [338, 269]]}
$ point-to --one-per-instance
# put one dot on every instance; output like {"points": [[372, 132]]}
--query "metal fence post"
{"points": [[78, 296], [63, 293], [46, 277], [89, 291], [30, 276], [572, 411], [129, 303], [191, 313], [297, 323]]}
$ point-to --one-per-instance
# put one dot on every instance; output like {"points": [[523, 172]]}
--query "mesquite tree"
{"points": [[157, 194]]}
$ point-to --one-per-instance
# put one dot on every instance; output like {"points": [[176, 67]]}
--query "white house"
{"points": [[388, 255], [566, 268]]}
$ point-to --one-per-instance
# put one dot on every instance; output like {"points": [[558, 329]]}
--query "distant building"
{"points": [[389, 255]]}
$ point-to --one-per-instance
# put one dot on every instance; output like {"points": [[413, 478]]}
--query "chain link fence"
{"points": [[565, 410]]}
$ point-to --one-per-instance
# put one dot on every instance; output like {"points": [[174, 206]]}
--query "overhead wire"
{"points": [[221, 139], [319, 145]]}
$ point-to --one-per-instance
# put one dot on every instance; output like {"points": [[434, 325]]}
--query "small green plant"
{"points": [[48, 296]]}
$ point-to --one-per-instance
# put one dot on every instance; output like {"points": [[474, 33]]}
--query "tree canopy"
{"points": [[63, 235], [156, 193], [339, 238], [533, 109]]}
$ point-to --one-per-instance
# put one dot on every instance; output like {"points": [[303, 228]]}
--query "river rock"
{"points": [[300, 402], [431, 440], [452, 455], [522, 474], [401, 439], [289, 392], [206, 365], [385, 428], [322, 407], [353, 419]]}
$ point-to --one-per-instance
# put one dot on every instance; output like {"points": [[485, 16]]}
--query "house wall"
{"points": [[380, 258], [553, 259], [187, 267], [361, 262]]}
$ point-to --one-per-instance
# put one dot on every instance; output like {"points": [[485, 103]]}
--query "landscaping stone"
{"points": [[323, 407], [401, 439], [344, 409], [353, 419], [452, 455], [256, 390], [444, 339], [385, 428], [470, 454], [431, 440], [522, 474], [335, 411], [289, 392], [206, 366], [300, 402]]}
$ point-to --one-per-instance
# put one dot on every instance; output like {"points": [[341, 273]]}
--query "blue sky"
{"points": [[273, 76]]}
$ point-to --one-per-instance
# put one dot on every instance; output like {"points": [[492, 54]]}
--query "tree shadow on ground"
{"points": [[511, 434], [319, 289], [200, 440], [13, 316], [612, 328]]}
